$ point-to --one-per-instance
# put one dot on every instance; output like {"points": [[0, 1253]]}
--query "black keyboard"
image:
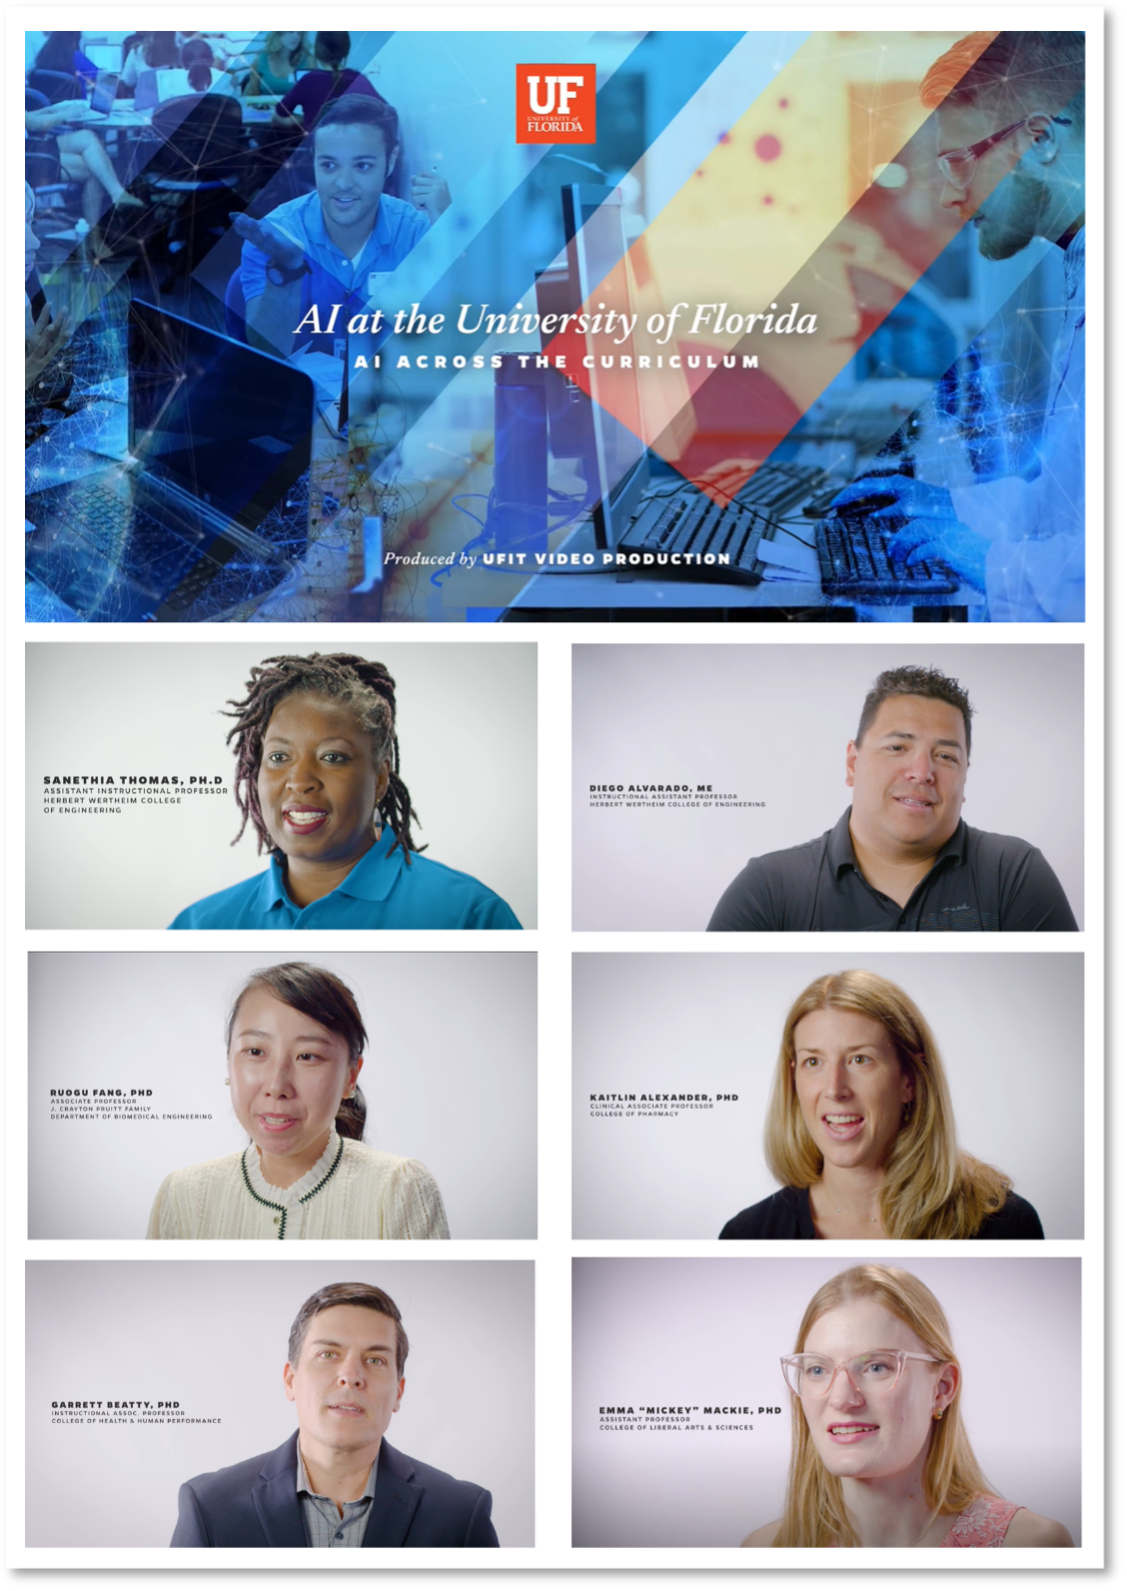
{"points": [[109, 522], [691, 523], [822, 502], [780, 485], [106, 557], [855, 562]]}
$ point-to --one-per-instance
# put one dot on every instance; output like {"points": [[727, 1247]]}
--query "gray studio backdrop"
{"points": [[211, 1336], [449, 1076], [1010, 1029], [698, 1333], [467, 741], [770, 724]]}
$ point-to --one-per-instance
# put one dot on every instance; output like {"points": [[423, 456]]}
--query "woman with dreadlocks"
{"points": [[317, 777], [295, 1046]]}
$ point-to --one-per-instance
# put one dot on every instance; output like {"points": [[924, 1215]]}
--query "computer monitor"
{"points": [[629, 408], [597, 261], [106, 57]]}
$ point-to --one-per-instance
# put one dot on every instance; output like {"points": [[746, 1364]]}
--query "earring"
{"points": [[906, 1114], [226, 1082], [938, 1415]]}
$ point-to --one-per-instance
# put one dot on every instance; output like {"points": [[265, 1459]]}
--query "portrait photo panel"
{"points": [[128, 1061], [675, 1056], [131, 781], [689, 760], [682, 1418], [177, 1372]]}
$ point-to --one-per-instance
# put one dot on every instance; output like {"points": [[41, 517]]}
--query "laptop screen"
{"points": [[227, 424], [104, 93]]}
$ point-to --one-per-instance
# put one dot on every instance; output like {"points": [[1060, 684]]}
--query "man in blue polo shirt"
{"points": [[324, 247]]}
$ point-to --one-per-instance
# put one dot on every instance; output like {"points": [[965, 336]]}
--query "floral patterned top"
{"points": [[982, 1523]]}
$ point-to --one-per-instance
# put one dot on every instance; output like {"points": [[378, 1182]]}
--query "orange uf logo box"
{"points": [[555, 104]]}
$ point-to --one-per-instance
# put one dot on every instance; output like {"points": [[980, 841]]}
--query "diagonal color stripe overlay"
{"points": [[761, 224]]}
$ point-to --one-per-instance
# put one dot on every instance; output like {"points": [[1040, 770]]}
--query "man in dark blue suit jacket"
{"points": [[336, 1482], [255, 1504]]}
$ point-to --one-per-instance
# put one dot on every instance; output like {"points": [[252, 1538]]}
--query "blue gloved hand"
{"points": [[933, 529], [960, 548], [909, 497]]}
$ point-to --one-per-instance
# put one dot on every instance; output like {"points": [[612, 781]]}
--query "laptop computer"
{"points": [[209, 506], [103, 95]]}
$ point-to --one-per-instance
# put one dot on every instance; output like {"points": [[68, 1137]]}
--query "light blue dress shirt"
{"points": [[381, 891], [333, 279]]}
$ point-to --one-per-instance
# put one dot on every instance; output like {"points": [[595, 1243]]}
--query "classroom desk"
{"points": [[125, 117]]}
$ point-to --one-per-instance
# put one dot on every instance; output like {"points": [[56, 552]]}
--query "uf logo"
{"points": [[555, 104], [558, 94]]}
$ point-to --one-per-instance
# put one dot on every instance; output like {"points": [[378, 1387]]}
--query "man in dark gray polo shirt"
{"points": [[901, 859], [336, 1482]]}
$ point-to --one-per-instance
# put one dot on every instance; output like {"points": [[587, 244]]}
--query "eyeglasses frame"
{"points": [[975, 151], [902, 1355]]}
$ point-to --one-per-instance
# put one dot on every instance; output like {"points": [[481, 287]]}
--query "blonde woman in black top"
{"points": [[861, 1133]]}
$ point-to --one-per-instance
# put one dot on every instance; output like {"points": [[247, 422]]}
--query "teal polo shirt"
{"points": [[380, 892]]}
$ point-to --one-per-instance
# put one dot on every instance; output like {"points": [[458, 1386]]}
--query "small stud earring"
{"points": [[938, 1415], [226, 1082]]}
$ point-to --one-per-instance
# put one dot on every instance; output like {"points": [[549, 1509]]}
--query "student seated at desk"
{"points": [[329, 80], [222, 52], [322, 247], [44, 338], [83, 158], [197, 73], [204, 75], [275, 66], [62, 53], [155, 52]]}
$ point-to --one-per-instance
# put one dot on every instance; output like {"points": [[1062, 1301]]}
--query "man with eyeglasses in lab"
{"points": [[1010, 132]]}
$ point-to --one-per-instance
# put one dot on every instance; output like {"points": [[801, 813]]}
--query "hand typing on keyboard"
{"points": [[884, 497], [960, 548], [933, 530]]}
